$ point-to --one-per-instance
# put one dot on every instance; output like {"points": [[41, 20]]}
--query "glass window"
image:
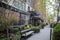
{"points": [[24, 7], [22, 0], [5, 0], [18, 5], [23, 17], [28, 8]]}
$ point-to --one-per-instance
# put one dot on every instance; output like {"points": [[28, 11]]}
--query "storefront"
{"points": [[34, 18], [13, 12], [24, 18]]}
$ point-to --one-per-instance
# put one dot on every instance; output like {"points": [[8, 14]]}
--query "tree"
{"points": [[5, 21]]}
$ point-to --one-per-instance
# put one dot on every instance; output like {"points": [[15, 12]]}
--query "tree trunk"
{"points": [[7, 33]]}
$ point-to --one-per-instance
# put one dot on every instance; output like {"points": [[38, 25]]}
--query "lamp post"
{"points": [[58, 16]]}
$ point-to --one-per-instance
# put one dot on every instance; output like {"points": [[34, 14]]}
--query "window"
{"points": [[23, 17], [16, 4], [22, 0], [5, 0], [23, 7], [28, 8], [19, 5]]}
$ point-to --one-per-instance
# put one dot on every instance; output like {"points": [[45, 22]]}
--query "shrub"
{"points": [[36, 29], [14, 33], [54, 25], [56, 32], [27, 26], [41, 26], [4, 39]]}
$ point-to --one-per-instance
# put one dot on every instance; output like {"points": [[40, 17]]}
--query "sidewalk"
{"points": [[43, 35]]}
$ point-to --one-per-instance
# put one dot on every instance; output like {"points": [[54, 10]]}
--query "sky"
{"points": [[49, 6]]}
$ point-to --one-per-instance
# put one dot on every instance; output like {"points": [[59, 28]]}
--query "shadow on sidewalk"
{"points": [[26, 37]]}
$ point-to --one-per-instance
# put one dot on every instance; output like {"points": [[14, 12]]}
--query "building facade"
{"points": [[17, 10], [23, 6]]}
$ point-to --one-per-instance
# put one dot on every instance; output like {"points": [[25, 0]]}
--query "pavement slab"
{"points": [[43, 35]]}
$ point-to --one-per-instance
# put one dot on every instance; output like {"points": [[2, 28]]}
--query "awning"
{"points": [[37, 13], [37, 18]]}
